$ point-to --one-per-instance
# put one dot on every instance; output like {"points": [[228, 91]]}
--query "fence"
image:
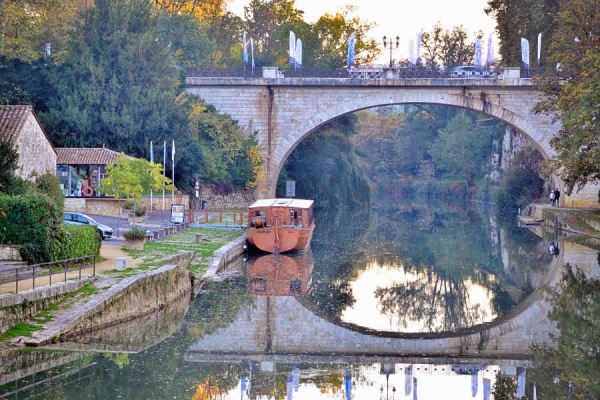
{"points": [[213, 217], [45, 272]]}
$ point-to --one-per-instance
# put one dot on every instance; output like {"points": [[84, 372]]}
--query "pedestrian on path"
{"points": [[556, 197]]}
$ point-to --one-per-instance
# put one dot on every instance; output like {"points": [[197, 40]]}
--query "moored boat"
{"points": [[280, 225]]}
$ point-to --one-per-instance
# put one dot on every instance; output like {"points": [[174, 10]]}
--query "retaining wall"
{"points": [[15, 308]]}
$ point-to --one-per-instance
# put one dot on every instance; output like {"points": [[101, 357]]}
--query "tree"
{"points": [[444, 49], [266, 20], [569, 365], [9, 159], [131, 177], [461, 149], [119, 85], [333, 32], [522, 19], [574, 95]]}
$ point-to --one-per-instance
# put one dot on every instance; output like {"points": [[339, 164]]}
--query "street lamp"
{"points": [[385, 44]]}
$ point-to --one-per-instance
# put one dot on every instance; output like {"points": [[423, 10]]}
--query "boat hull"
{"points": [[272, 239]]}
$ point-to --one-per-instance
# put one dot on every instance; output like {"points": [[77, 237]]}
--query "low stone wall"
{"points": [[223, 257], [110, 207], [15, 308], [236, 200]]}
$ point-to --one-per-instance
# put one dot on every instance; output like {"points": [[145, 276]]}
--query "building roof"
{"points": [[12, 119], [85, 156], [295, 203]]}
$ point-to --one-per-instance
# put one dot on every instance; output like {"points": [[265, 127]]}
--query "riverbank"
{"points": [[584, 223], [163, 273]]}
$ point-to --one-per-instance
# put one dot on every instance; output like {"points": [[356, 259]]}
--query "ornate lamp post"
{"points": [[391, 45]]}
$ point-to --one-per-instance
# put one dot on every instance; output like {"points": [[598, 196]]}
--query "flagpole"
{"points": [[164, 173], [173, 172], [152, 161]]}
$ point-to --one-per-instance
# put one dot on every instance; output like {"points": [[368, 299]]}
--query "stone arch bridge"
{"points": [[285, 110]]}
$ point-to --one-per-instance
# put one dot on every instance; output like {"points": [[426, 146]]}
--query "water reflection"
{"points": [[427, 268], [280, 275], [412, 300], [414, 269]]}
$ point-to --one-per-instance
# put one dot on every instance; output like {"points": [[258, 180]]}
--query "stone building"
{"points": [[20, 126]]}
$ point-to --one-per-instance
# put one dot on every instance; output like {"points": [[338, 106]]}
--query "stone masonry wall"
{"points": [[15, 308], [40, 155]]}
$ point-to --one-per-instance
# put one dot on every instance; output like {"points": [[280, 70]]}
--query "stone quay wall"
{"points": [[15, 308], [131, 298]]}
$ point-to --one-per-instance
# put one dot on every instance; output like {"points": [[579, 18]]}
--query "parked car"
{"points": [[74, 218], [466, 71]]}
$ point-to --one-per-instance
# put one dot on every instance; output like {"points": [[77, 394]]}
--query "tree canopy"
{"points": [[573, 94]]}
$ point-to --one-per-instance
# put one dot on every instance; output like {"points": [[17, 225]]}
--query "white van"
{"points": [[469, 71]]}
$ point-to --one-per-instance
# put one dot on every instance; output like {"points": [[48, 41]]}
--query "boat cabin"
{"points": [[280, 212]]}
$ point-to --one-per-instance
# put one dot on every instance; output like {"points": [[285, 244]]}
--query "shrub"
{"points": [[32, 221], [135, 233], [76, 241], [50, 185], [139, 212]]}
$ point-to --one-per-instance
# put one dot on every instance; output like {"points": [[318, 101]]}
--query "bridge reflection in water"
{"points": [[270, 344]]}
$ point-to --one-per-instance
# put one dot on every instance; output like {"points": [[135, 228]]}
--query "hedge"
{"points": [[32, 221], [76, 241]]}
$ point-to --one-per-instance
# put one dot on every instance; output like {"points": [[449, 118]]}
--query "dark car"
{"points": [[75, 218]]}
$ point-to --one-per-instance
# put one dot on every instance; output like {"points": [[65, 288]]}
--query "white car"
{"points": [[468, 71], [74, 218]]}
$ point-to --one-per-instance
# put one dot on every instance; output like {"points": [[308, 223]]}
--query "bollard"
{"points": [[198, 237], [121, 264]]}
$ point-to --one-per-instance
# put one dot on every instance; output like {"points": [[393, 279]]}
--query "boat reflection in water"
{"points": [[280, 275]]}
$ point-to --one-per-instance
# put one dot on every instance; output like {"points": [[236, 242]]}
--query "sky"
{"points": [[399, 17]]}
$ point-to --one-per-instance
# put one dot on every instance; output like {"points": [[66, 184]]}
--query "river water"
{"points": [[381, 307]]}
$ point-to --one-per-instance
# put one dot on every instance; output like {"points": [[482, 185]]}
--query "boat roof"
{"points": [[295, 203]]}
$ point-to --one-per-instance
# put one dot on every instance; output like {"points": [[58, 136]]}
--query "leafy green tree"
{"points": [[522, 182], [119, 85], [9, 159], [462, 149], [574, 93], [444, 49], [267, 22], [333, 30], [569, 365], [522, 19]]}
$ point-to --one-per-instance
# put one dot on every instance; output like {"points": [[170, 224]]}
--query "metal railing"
{"points": [[212, 217], [71, 267]]}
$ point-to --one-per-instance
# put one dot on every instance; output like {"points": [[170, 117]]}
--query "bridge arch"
{"points": [[285, 110], [516, 121]]}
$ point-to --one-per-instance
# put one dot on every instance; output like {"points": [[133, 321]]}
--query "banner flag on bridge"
{"points": [[539, 48], [245, 52], [298, 53], [419, 39], [151, 152], [478, 53], [351, 50], [292, 49], [252, 52], [412, 57], [525, 53], [489, 61]]}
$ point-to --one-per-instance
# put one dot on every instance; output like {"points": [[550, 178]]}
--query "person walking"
{"points": [[556, 197]]}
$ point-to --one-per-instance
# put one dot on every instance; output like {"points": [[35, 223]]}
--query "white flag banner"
{"points": [[525, 52], [298, 53], [292, 49], [245, 51], [489, 60], [539, 54], [419, 39], [351, 49], [412, 57], [478, 52], [252, 51]]}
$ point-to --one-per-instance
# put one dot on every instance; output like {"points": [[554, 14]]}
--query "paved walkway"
{"points": [[109, 251]]}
